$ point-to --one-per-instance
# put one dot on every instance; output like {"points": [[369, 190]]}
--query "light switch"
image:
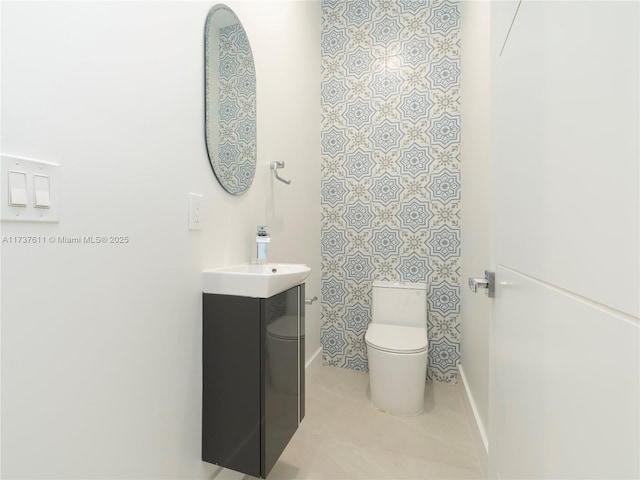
{"points": [[33, 190], [18, 189], [42, 191]]}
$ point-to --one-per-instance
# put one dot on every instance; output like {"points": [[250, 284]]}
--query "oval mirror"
{"points": [[230, 100]]}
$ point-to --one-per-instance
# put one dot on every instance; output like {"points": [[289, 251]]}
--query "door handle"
{"points": [[487, 284]]}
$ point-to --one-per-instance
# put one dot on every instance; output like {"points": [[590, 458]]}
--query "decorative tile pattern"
{"points": [[237, 108], [390, 167]]}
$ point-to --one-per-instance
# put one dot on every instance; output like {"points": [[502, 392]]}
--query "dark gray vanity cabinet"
{"points": [[253, 378]]}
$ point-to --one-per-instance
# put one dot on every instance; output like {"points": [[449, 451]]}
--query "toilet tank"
{"points": [[399, 303]]}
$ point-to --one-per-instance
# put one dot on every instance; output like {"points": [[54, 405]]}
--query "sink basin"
{"points": [[254, 280]]}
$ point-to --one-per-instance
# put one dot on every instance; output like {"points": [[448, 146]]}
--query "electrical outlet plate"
{"points": [[195, 211]]}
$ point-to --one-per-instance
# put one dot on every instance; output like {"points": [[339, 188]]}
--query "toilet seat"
{"points": [[396, 338]]}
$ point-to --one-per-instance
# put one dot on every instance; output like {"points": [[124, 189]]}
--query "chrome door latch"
{"points": [[487, 283]]}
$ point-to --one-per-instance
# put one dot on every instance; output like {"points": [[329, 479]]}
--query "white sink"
{"points": [[253, 280]]}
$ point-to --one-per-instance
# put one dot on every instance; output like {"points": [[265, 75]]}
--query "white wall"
{"points": [[101, 345], [475, 222]]}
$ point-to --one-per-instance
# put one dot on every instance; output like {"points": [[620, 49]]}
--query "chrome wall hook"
{"points": [[274, 167]]}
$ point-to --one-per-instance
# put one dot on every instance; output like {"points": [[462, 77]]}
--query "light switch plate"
{"points": [[32, 168], [195, 211]]}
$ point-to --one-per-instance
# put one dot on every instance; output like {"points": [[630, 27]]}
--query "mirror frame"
{"points": [[212, 110]]}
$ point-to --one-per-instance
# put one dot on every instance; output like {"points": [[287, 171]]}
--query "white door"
{"points": [[565, 387]]}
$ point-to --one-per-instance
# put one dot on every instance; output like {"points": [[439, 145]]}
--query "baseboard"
{"points": [[478, 430], [313, 366]]}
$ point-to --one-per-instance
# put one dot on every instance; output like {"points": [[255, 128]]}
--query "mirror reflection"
{"points": [[230, 101]]}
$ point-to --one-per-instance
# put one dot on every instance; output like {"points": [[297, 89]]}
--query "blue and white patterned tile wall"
{"points": [[390, 169], [237, 108]]}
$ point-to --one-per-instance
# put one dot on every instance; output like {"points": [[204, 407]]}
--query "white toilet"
{"points": [[397, 347]]}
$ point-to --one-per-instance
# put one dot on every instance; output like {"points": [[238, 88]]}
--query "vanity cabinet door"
{"points": [[231, 382], [283, 389], [253, 378]]}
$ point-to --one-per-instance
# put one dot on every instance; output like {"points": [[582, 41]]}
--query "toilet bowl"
{"points": [[397, 347], [397, 368]]}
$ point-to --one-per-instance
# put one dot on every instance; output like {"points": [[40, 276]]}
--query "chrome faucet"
{"points": [[262, 239]]}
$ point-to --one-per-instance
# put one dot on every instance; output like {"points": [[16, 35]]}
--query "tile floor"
{"points": [[344, 438]]}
